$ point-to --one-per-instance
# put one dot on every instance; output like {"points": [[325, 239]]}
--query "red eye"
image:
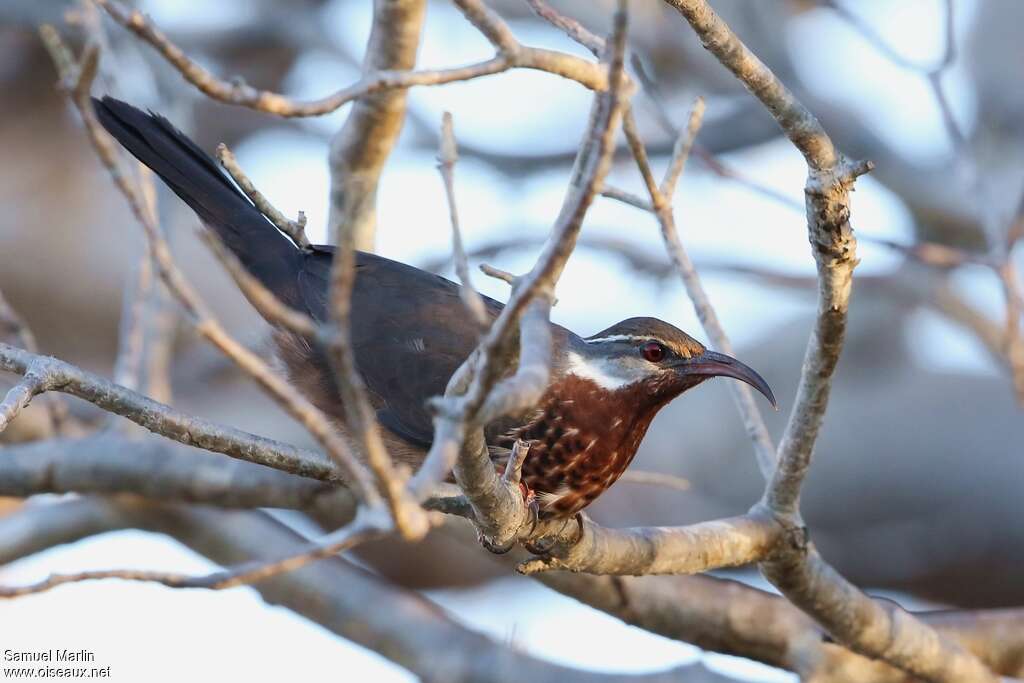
{"points": [[652, 352]]}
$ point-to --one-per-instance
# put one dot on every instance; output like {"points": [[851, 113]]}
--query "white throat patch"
{"points": [[602, 373]]}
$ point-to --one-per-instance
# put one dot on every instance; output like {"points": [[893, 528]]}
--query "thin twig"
{"points": [[446, 158], [497, 273], [510, 55], [295, 230], [626, 197], [111, 464], [691, 549], [11, 323], [669, 481], [167, 421], [138, 297], [681, 150], [359, 531], [710, 161], [359, 415], [19, 396], [570, 26], [273, 310], [360, 149], [662, 207]]}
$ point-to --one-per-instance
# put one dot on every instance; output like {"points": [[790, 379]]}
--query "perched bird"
{"points": [[410, 332]]}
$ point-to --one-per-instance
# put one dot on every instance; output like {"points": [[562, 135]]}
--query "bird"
{"points": [[410, 332]]}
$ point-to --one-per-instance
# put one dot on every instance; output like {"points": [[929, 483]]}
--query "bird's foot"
{"points": [[541, 546], [545, 544], [491, 546]]}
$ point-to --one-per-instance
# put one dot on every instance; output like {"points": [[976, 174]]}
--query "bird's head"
{"points": [[655, 360]]}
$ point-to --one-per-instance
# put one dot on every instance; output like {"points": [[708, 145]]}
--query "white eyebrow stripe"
{"points": [[617, 337]]}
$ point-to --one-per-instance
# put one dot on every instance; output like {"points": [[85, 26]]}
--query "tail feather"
{"points": [[195, 177]]}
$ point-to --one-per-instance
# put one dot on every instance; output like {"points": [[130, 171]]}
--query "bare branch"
{"points": [[661, 550], [403, 626], [720, 615], [358, 153], [513, 473], [166, 421], [12, 324], [360, 149], [570, 26], [275, 311], [20, 395], [38, 525], [799, 124], [498, 273], [934, 254], [661, 205], [108, 464], [871, 627], [235, 92], [295, 230], [737, 619], [626, 198], [360, 418], [446, 159], [999, 258], [343, 539], [681, 150], [138, 297], [469, 402], [645, 478]]}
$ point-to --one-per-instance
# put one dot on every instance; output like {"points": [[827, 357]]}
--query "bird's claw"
{"points": [[545, 544], [491, 546], [541, 546]]}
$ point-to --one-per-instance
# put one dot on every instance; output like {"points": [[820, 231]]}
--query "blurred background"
{"points": [[917, 487]]}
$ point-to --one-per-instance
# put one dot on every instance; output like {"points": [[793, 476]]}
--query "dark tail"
{"points": [[196, 178]]}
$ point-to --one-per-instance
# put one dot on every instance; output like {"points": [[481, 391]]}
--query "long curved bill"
{"points": [[714, 364]]}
